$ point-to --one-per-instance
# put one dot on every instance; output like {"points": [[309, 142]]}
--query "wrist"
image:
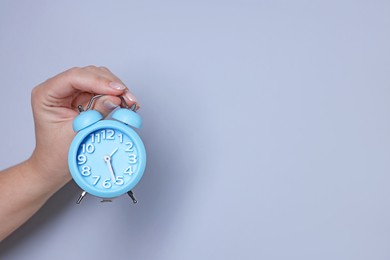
{"points": [[49, 176]]}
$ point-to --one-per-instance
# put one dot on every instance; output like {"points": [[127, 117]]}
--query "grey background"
{"points": [[266, 125]]}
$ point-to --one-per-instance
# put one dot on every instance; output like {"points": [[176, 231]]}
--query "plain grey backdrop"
{"points": [[266, 124]]}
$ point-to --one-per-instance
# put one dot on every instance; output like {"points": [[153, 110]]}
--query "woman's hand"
{"points": [[54, 104], [25, 187]]}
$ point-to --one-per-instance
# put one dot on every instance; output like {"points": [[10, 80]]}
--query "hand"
{"points": [[54, 104]]}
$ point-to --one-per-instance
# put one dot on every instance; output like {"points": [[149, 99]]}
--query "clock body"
{"points": [[107, 158]]}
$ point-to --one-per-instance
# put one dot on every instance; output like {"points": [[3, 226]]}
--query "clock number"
{"points": [[110, 134], [130, 148], [119, 180], [89, 148], [120, 137], [98, 137], [97, 178], [81, 159], [107, 183], [132, 158], [86, 171], [129, 170], [103, 135]]}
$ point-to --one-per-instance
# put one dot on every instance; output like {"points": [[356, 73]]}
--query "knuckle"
{"points": [[90, 67], [104, 68], [34, 92], [73, 70]]}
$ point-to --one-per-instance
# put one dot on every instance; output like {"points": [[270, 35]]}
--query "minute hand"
{"points": [[107, 159]]}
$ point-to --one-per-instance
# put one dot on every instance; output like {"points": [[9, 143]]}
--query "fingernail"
{"points": [[116, 85], [109, 105], [130, 96]]}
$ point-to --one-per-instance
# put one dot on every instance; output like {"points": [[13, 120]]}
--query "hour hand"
{"points": [[116, 149]]}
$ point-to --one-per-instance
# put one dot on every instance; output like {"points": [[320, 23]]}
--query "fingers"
{"points": [[131, 99], [104, 71], [88, 79], [128, 95]]}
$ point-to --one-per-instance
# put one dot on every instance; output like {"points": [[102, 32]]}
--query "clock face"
{"points": [[108, 161]]}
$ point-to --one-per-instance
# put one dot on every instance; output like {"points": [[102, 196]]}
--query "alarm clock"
{"points": [[107, 157]]}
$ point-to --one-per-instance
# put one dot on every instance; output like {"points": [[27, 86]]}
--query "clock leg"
{"points": [[82, 195], [131, 195]]}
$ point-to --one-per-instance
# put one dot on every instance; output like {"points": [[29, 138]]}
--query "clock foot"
{"points": [[131, 195], [82, 195]]}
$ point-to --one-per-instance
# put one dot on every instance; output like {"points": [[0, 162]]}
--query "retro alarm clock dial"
{"points": [[107, 160]]}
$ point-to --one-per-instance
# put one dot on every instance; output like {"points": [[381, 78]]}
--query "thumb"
{"points": [[106, 104]]}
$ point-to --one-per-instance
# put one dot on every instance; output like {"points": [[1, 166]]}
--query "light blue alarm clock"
{"points": [[107, 157]]}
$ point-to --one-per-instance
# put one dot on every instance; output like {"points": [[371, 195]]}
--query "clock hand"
{"points": [[116, 149], [107, 159]]}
